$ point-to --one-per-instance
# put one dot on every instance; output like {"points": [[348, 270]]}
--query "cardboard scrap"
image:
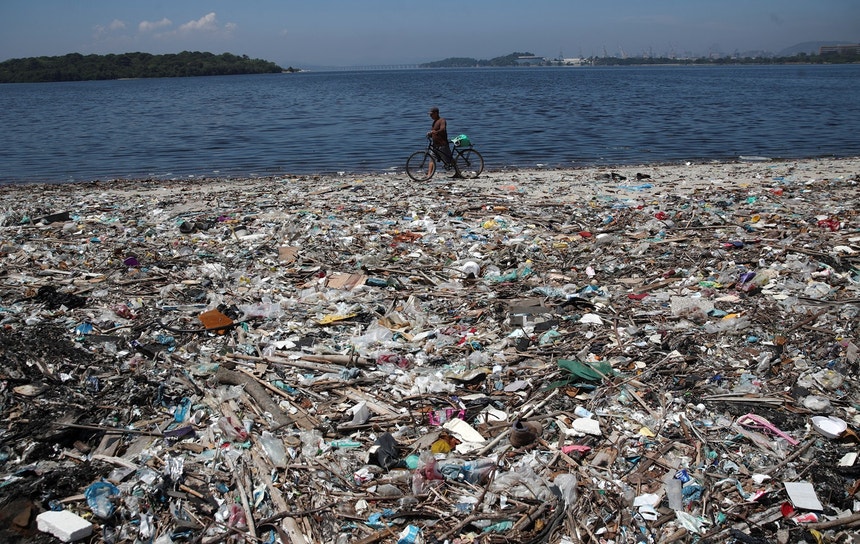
{"points": [[287, 254], [343, 280]]}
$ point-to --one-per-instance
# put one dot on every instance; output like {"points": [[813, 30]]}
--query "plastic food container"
{"points": [[829, 426]]}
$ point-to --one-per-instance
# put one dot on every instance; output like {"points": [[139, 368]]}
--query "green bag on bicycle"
{"points": [[462, 140]]}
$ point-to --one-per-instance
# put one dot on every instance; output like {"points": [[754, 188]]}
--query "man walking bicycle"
{"points": [[439, 134]]}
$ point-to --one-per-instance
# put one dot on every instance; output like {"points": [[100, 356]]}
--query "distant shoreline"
{"points": [[393, 67], [137, 65]]}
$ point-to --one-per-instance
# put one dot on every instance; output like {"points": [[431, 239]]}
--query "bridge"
{"points": [[375, 67]]}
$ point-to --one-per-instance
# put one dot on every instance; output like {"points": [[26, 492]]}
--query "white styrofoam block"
{"points": [[587, 426], [65, 525]]}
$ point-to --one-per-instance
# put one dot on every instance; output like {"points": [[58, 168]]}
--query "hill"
{"points": [[466, 62], [77, 67], [809, 48]]}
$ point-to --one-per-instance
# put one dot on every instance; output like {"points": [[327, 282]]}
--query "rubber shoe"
{"points": [[524, 433]]}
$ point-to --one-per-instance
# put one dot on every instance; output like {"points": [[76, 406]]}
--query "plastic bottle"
{"points": [[274, 448], [407, 503], [478, 472], [398, 476], [310, 442], [419, 483], [388, 490], [345, 444], [582, 411], [180, 414], [674, 492]]}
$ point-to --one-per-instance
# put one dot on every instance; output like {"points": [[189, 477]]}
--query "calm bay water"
{"points": [[363, 122]]}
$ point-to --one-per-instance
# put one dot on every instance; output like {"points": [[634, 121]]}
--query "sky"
{"points": [[396, 32]]}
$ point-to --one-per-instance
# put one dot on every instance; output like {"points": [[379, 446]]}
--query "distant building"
{"points": [[850, 49], [530, 59], [572, 61]]}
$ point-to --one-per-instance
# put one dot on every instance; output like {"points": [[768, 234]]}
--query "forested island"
{"points": [[77, 67]]}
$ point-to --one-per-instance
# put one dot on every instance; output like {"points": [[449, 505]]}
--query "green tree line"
{"points": [[77, 67]]}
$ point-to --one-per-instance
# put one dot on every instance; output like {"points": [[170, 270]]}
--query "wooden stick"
{"points": [[773, 401], [838, 522], [287, 362], [107, 430], [187, 489], [797, 453], [803, 322], [239, 477], [288, 527]]}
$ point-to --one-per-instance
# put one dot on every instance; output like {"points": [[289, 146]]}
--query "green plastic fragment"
{"points": [[592, 372]]}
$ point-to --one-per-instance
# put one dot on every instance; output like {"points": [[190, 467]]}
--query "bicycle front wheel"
{"points": [[470, 163], [421, 166]]}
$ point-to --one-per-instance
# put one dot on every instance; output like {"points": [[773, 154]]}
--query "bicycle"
{"points": [[421, 165]]}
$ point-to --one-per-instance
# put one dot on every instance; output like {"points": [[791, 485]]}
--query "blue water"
{"points": [[363, 122]]}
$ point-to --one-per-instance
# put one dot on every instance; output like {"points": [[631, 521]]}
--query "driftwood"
{"points": [[257, 391]]}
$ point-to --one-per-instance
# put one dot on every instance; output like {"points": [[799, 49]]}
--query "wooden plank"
{"points": [[373, 403]]}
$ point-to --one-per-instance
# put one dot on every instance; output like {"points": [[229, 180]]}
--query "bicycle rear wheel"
{"points": [[470, 163], [421, 166]]}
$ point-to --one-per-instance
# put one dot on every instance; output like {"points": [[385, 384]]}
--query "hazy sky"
{"points": [[368, 32]]}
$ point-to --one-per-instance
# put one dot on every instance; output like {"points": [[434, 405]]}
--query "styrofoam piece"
{"points": [[587, 426], [65, 525]]}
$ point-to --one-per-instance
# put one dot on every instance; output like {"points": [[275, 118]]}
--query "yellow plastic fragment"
{"points": [[331, 318], [440, 446]]}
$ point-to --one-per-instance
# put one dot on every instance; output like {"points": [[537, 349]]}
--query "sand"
{"points": [[520, 185]]}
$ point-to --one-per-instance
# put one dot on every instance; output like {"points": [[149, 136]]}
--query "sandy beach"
{"points": [[707, 180], [633, 316]]}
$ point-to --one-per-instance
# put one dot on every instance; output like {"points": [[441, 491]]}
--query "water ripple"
{"points": [[371, 121]]}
